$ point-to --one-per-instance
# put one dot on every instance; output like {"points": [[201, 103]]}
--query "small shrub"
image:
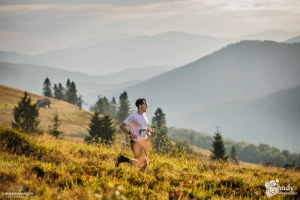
{"points": [[15, 142]]}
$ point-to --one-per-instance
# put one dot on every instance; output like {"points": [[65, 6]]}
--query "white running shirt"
{"points": [[138, 123]]}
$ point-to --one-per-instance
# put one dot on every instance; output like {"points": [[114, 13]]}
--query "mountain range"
{"points": [[270, 119], [243, 71], [214, 90], [111, 52], [30, 78], [293, 40], [239, 71], [134, 74]]}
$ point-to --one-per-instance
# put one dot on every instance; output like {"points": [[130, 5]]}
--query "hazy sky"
{"points": [[35, 26]]}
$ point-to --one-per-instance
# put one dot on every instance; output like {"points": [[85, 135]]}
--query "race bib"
{"points": [[142, 132]]}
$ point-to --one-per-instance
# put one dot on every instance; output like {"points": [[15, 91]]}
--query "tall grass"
{"points": [[62, 169]]}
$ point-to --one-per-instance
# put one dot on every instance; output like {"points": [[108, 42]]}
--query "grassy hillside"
{"points": [[59, 169], [74, 121]]}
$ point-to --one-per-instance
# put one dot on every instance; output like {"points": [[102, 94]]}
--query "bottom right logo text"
{"points": [[274, 188]]}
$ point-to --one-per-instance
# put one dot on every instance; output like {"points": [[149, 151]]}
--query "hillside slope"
{"points": [[271, 119], [74, 121], [242, 70], [293, 40]]}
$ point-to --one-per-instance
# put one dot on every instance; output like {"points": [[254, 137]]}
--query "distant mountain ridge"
{"points": [[112, 53], [242, 70], [293, 40], [104, 37], [136, 74], [271, 119], [31, 77], [273, 35]]}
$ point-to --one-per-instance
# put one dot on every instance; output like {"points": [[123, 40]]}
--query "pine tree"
{"points": [[26, 116], [101, 129], [218, 151], [161, 140], [123, 108], [160, 118], [113, 108], [233, 155], [55, 91], [108, 130], [56, 122], [102, 105], [94, 129], [72, 96], [80, 102], [67, 91], [47, 91], [61, 91]]}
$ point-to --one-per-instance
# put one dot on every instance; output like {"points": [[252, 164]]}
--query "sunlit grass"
{"points": [[74, 121], [74, 170]]}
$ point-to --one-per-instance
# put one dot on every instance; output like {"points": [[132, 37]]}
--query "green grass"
{"points": [[63, 169]]}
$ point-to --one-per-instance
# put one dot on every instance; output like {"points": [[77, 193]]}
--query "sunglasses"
{"points": [[144, 102]]}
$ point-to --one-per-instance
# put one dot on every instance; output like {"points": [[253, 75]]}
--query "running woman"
{"points": [[138, 136]]}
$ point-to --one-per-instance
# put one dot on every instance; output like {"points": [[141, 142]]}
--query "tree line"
{"points": [[103, 128], [260, 154], [67, 93]]}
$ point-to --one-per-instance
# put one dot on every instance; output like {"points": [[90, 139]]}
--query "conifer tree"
{"points": [[55, 91], [218, 151], [47, 91], [113, 108], [80, 102], [68, 84], [123, 108], [53, 129], [161, 140], [61, 91], [233, 155], [26, 116], [108, 130], [67, 91], [72, 96], [101, 129], [102, 105], [94, 129]]}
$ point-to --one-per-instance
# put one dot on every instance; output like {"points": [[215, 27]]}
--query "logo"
{"points": [[16, 192], [274, 188]]}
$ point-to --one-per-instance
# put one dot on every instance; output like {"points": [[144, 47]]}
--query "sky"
{"points": [[32, 27]]}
